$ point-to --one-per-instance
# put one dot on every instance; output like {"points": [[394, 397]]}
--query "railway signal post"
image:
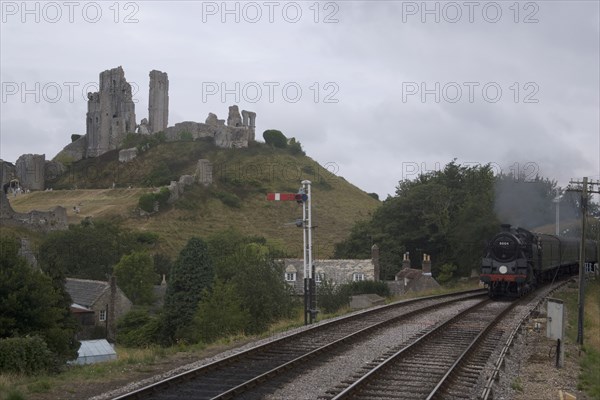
{"points": [[303, 197]]}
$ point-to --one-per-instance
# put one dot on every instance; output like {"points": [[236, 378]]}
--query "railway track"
{"points": [[234, 375], [442, 364]]}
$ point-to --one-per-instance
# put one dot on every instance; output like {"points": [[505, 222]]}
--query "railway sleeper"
{"points": [[391, 393]]}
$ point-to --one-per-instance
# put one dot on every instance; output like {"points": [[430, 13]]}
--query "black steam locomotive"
{"points": [[517, 260]]}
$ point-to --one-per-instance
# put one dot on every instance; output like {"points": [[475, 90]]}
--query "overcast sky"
{"points": [[376, 90]]}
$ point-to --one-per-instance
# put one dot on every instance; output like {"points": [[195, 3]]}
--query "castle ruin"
{"points": [[30, 171], [111, 116], [158, 104], [44, 221], [111, 113]]}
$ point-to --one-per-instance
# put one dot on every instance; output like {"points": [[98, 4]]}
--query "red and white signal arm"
{"points": [[281, 196]]}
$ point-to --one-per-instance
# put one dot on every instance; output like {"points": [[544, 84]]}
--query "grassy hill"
{"points": [[241, 177]]}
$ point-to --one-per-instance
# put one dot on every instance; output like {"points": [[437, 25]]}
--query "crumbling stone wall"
{"points": [[249, 121], [158, 102], [8, 172], [224, 136], [30, 170], [204, 172], [236, 134], [53, 169], [127, 155], [44, 221]]}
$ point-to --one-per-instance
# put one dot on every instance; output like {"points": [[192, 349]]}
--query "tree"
{"points": [[88, 250], [33, 303], [247, 263], [275, 138], [136, 277], [192, 272], [295, 147], [447, 214], [221, 312], [258, 279]]}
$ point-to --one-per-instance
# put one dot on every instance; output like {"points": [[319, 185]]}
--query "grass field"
{"points": [[241, 179]]}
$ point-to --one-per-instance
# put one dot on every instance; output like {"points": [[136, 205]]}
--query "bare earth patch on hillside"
{"points": [[95, 203]]}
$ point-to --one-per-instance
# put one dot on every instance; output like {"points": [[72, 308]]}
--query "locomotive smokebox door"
{"points": [[555, 325]]}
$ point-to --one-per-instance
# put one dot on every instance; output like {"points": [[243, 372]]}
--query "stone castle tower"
{"points": [[111, 113], [158, 104], [111, 116]]}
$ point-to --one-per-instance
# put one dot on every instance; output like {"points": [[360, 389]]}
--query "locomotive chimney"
{"points": [[505, 227]]}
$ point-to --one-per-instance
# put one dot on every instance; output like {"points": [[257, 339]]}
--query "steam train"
{"points": [[516, 260]]}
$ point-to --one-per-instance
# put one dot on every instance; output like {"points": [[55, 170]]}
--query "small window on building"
{"points": [[102, 315], [358, 276], [290, 277], [590, 268]]}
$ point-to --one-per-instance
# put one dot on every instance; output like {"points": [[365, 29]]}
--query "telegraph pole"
{"points": [[584, 199]]}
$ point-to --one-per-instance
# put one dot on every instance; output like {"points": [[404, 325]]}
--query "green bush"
{"points": [[160, 175], [163, 196], [138, 329], [275, 138], [332, 297], [446, 273], [146, 202], [186, 136], [29, 355], [220, 313], [229, 199], [295, 148], [147, 238]]}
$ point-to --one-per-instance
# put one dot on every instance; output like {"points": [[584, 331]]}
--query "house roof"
{"points": [[79, 309], [409, 273], [327, 264], [85, 292]]}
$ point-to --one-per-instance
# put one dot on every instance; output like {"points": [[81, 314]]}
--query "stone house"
{"points": [[97, 305], [411, 279], [335, 271]]}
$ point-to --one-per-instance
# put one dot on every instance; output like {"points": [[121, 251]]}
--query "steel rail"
{"points": [[193, 374], [360, 383]]}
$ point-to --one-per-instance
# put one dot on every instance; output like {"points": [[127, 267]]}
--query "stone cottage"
{"points": [[97, 305], [411, 279], [335, 271]]}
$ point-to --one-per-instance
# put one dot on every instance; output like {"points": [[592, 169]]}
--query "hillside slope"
{"points": [[241, 179]]}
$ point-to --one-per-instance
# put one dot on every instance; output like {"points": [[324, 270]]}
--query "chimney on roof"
{"points": [[426, 264], [375, 260], [112, 321], [406, 260]]}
